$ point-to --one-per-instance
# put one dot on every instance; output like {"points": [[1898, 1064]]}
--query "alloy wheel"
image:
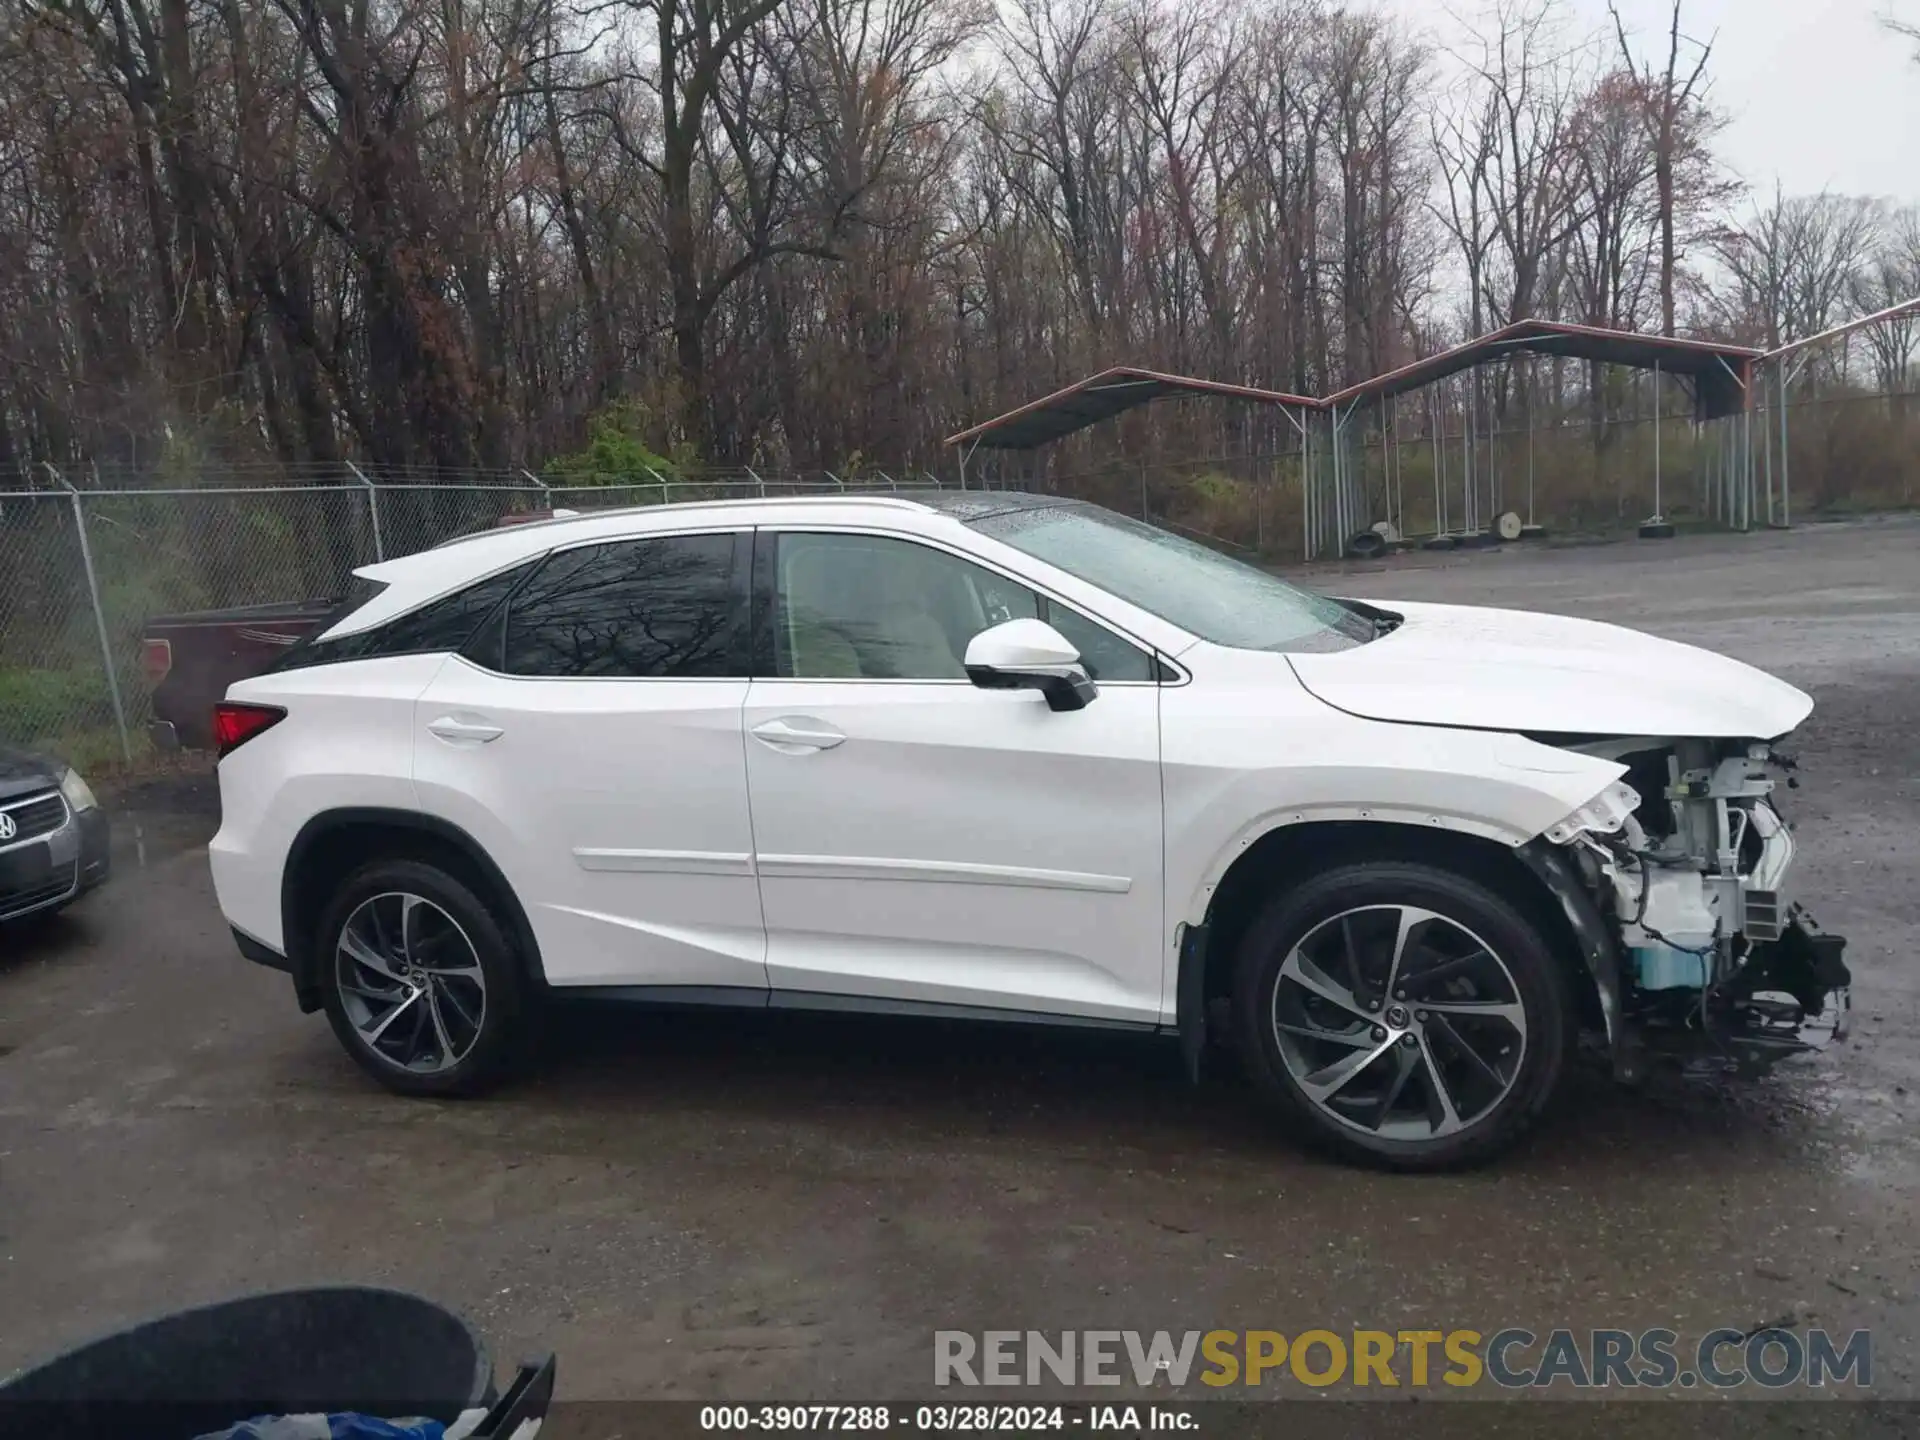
{"points": [[1399, 1022], [410, 982]]}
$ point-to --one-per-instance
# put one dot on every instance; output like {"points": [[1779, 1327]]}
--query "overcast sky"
{"points": [[1816, 91]]}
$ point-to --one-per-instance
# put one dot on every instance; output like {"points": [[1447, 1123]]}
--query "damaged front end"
{"points": [[1673, 880]]}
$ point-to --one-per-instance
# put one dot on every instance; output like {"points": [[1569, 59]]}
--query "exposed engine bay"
{"points": [[1683, 865]]}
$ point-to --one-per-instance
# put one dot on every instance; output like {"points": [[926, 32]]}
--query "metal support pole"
{"points": [[1786, 508], [1332, 516], [1746, 464], [373, 510], [1397, 480], [1766, 451], [1143, 490], [1439, 466], [1658, 513], [1465, 461], [1306, 494], [99, 616], [1530, 396]]}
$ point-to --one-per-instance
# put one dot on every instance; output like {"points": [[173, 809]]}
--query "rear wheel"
{"points": [[419, 979], [1402, 1014]]}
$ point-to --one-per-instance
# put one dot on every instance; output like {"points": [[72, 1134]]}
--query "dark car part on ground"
{"points": [[54, 843], [326, 1350]]}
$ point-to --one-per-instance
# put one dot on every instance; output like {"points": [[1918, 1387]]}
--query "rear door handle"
{"points": [[457, 731], [797, 734]]}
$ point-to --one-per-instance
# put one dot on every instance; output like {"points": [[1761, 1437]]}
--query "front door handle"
{"points": [[797, 734], [465, 732]]}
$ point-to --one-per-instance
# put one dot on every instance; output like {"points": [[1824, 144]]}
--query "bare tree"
{"points": [[1792, 265], [1669, 103], [1891, 277]]}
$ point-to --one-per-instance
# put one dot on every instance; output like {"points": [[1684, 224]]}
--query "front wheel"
{"points": [[1402, 1014], [419, 979]]}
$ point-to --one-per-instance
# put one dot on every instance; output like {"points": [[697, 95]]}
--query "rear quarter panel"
{"points": [[347, 741]]}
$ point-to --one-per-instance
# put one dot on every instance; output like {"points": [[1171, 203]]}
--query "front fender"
{"points": [[1231, 776]]}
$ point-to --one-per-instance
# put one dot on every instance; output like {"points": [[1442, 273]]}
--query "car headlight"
{"points": [[79, 794]]}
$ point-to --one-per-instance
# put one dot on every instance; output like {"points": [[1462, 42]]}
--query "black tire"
{"points": [[1539, 983], [502, 1024]]}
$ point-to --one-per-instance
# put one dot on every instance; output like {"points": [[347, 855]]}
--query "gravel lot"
{"points": [[720, 1206]]}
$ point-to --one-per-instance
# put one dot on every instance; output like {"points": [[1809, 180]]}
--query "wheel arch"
{"points": [[336, 842], [1290, 852]]}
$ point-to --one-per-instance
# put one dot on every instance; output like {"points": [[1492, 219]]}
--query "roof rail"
{"points": [[885, 498]]}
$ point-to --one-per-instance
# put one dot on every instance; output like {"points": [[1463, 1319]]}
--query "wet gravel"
{"points": [[751, 1206]]}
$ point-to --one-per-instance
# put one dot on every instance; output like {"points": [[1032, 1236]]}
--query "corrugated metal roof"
{"points": [[1717, 371], [1101, 397]]}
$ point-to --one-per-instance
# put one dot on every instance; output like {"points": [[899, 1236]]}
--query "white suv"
{"points": [[1008, 756]]}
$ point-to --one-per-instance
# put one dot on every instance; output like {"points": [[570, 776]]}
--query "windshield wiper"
{"points": [[1384, 622]]}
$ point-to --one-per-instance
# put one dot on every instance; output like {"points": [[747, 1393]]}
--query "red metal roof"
{"points": [[1101, 397], [1717, 371], [1714, 367]]}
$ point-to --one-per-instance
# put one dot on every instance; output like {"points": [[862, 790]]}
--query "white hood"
{"points": [[1491, 669]]}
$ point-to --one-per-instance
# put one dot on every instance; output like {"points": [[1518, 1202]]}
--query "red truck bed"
{"points": [[190, 659]]}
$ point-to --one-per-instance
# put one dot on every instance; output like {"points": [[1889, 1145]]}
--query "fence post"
{"points": [[99, 615], [373, 510]]}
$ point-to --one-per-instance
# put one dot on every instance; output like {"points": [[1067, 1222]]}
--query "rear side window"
{"points": [[666, 608], [444, 624]]}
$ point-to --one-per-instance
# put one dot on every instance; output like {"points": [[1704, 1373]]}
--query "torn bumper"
{"points": [[1784, 995]]}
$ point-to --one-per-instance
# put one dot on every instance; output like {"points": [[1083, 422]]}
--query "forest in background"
{"points": [[445, 236]]}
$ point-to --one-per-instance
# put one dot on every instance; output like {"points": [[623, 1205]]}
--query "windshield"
{"points": [[1200, 590]]}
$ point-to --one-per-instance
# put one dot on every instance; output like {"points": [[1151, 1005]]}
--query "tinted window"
{"points": [[444, 624], [636, 609], [864, 607]]}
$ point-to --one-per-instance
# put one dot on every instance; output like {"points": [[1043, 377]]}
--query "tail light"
{"points": [[156, 660], [235, 723]]}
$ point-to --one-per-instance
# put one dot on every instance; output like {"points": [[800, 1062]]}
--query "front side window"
{"points": [[851, 607], [866, 607], [1202, 591], [659, 608]]}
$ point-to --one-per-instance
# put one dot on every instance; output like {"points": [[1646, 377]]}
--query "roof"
{"points": [[1101, 397], [1713, 367], [967, 506], [426, 574], [594, 519], [1715, 370]]}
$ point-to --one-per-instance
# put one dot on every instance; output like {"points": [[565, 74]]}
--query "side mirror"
{"points": [[1030, 655]]}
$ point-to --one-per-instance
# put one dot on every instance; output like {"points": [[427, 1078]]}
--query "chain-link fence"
{"points": [[1433, 475], [85, 571]]}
